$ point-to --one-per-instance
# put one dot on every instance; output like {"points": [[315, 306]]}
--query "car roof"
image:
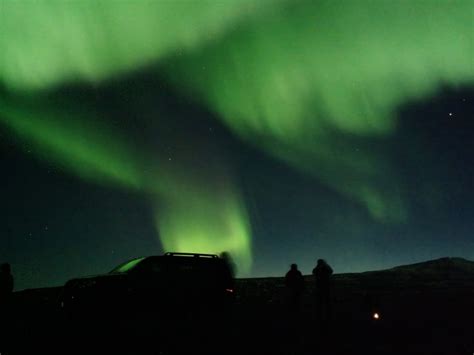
{"points": [[186, 258], [178, 257], [194, 255]]}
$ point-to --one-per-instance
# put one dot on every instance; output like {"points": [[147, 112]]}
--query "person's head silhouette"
{"points": [[5, 268]]}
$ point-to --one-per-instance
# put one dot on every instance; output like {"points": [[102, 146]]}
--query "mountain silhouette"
{"points": [[451, 265]]}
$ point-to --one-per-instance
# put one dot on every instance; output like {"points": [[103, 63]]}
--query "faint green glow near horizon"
{"points": [[216, 220]]}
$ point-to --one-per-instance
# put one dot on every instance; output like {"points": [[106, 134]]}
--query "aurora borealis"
{"points": [[254, 127]]}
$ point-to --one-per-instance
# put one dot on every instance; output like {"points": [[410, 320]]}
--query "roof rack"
{"points": [[195, 255]]}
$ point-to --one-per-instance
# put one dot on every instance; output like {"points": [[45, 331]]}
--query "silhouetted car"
{"points": [[170, 286]]}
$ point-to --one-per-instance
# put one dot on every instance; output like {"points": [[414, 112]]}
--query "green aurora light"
{"points": [[92, 40], [308, 82], [194, 211], [305, 81]]}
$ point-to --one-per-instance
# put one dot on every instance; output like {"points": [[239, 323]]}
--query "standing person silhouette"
{"points": [[6, 289], [6, 283], [295, 284], [226, 257], [322, 277]]}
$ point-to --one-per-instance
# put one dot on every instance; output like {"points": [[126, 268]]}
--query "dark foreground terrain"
{"points": [[425, 308]]}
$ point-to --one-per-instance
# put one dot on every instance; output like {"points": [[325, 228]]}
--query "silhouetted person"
{"points": [[322, 276], [225, 256], [295, 285], [6, 289], [228, 277], [6, 283]]}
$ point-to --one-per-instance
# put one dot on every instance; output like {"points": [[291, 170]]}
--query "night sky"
{"points": [[280, 131]]}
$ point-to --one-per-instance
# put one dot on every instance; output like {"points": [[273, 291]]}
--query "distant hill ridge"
{"points": [[451, 263], [442, 269]]}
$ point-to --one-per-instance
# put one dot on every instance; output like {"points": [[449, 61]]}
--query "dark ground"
{"points": [[425, 308]]}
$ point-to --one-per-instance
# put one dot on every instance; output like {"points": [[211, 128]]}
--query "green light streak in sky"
{"points": [[89, 150], [306, 83]]}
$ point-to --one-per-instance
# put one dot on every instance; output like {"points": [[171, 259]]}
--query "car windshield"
{"points": [[126, 267]]}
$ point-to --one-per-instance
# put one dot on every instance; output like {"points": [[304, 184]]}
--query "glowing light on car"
{"points": [[229, 290], [376, 316]]}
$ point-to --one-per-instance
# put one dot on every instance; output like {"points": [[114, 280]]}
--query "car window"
{"points": [[128, 266]]}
